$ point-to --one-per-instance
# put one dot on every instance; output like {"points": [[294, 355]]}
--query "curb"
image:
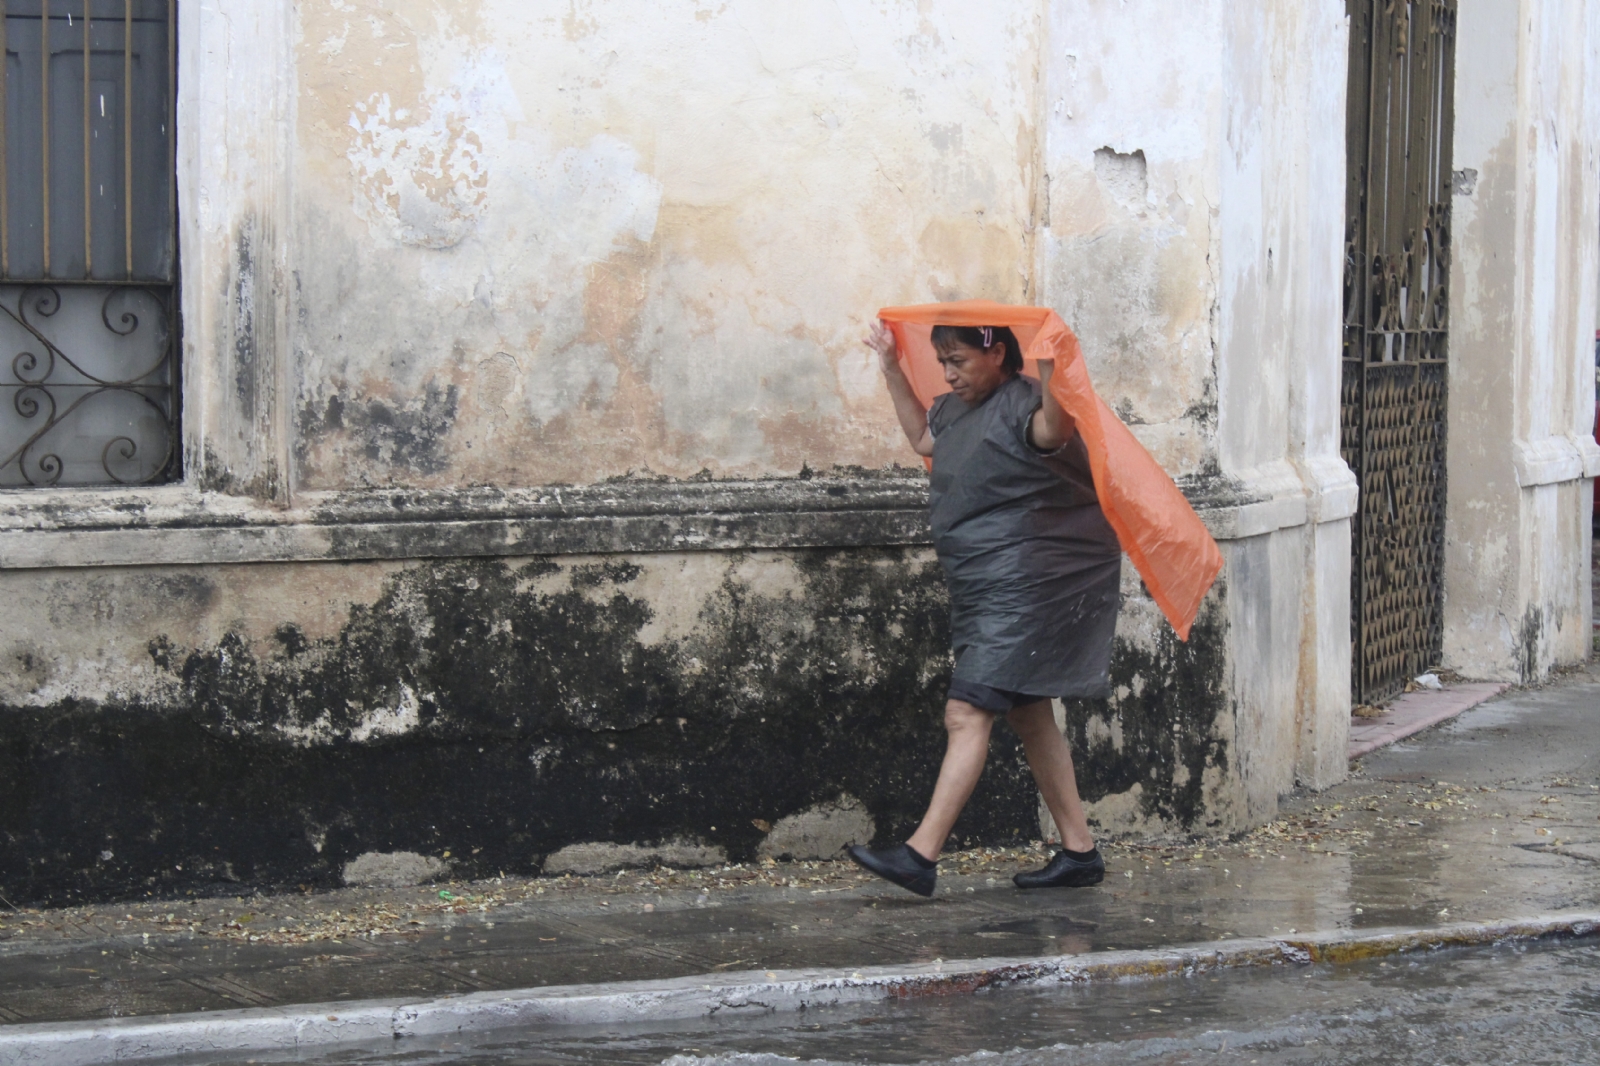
{"points": [[307, 1027]]}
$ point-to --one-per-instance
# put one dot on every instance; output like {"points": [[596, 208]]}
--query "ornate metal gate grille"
{"points": [[1396, 316], [88, 244]]}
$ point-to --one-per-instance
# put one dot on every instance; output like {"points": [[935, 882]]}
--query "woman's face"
{"points": [[973, 373]]}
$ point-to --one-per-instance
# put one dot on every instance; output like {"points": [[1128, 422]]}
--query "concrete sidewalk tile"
{"points": [[1416, 711]]}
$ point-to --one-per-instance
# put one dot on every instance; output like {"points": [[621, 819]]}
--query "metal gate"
{"points": [[1396, 317]]}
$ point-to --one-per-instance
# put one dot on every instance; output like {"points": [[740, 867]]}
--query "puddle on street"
{"points": [[1045, 925], [1504, 1005]]}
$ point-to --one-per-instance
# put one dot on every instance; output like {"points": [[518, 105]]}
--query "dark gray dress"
{"points": [[1032, 564]]}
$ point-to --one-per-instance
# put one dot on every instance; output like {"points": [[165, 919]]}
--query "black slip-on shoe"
{"points": [[1064, 871], [898, 864]]}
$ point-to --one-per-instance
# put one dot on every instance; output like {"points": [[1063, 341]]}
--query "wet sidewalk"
{"points": [[1414, 712], [1492, 815]]}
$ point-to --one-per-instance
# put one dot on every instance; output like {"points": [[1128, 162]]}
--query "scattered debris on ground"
{"points": [[347, 914], [1308, 825]]}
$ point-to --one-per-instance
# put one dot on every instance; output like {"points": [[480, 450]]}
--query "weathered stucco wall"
{"points": [[558, 242], [182, 726], [1526, 209], [1190, 242], [1131, 210], [166, 729], [234, 166], [490, 245], [171, 729], [1142, 769], [466, 248], [1281, 263]]}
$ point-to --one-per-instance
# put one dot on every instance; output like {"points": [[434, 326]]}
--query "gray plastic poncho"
{"points": [[1033, 566]]}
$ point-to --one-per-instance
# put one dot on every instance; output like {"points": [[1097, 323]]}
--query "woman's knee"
{"points": [[1034, 719], [962, 717]]}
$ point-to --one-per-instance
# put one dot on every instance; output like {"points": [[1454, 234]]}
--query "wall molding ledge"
{"points": [[1590, 450], [1555, 459], [1335, 494], [179, 526], [1277, 495]]}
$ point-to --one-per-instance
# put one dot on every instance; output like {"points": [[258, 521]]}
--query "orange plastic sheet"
{"points": [[1166, 540]]}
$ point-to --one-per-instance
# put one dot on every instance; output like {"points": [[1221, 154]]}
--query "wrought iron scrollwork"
{"points": [[88, 417]]}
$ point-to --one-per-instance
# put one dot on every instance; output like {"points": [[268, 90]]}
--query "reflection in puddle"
{"points": [[1043, 926]]}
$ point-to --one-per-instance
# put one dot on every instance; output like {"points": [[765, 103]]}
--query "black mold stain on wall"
{"points": [[244, 299], [405, 437], [1530, 639], [540, 719], [1174, 694]]}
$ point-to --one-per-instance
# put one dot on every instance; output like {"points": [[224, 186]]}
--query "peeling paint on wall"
{"points": [[423, 179], [647, 239]]}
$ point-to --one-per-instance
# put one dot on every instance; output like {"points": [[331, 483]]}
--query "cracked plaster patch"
{"points": [[820, 832], [392, 869], [601, 857]]}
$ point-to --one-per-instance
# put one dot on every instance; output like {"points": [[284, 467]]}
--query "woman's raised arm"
{"points": [[1051, 426], [913, 416]]}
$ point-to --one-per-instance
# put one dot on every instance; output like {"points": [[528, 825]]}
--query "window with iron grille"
{"points": [[88, 243]]}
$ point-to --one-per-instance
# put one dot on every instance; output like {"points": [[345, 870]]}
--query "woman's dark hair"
{"points": [[947, 337]]}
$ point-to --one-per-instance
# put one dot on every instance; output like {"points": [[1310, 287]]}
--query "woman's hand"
{"points": [[907, 408], [1051, 427], [881, 340]]}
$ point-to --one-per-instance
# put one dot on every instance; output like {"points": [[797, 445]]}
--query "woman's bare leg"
{"points": [[1051, 762], [965, 752]]}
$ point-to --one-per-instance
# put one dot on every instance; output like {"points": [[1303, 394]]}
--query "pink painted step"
{"points": [[1416, 711]]}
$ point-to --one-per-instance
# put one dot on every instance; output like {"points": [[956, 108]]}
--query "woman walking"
{"points": [[1033, 569], [1036, 492]]}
